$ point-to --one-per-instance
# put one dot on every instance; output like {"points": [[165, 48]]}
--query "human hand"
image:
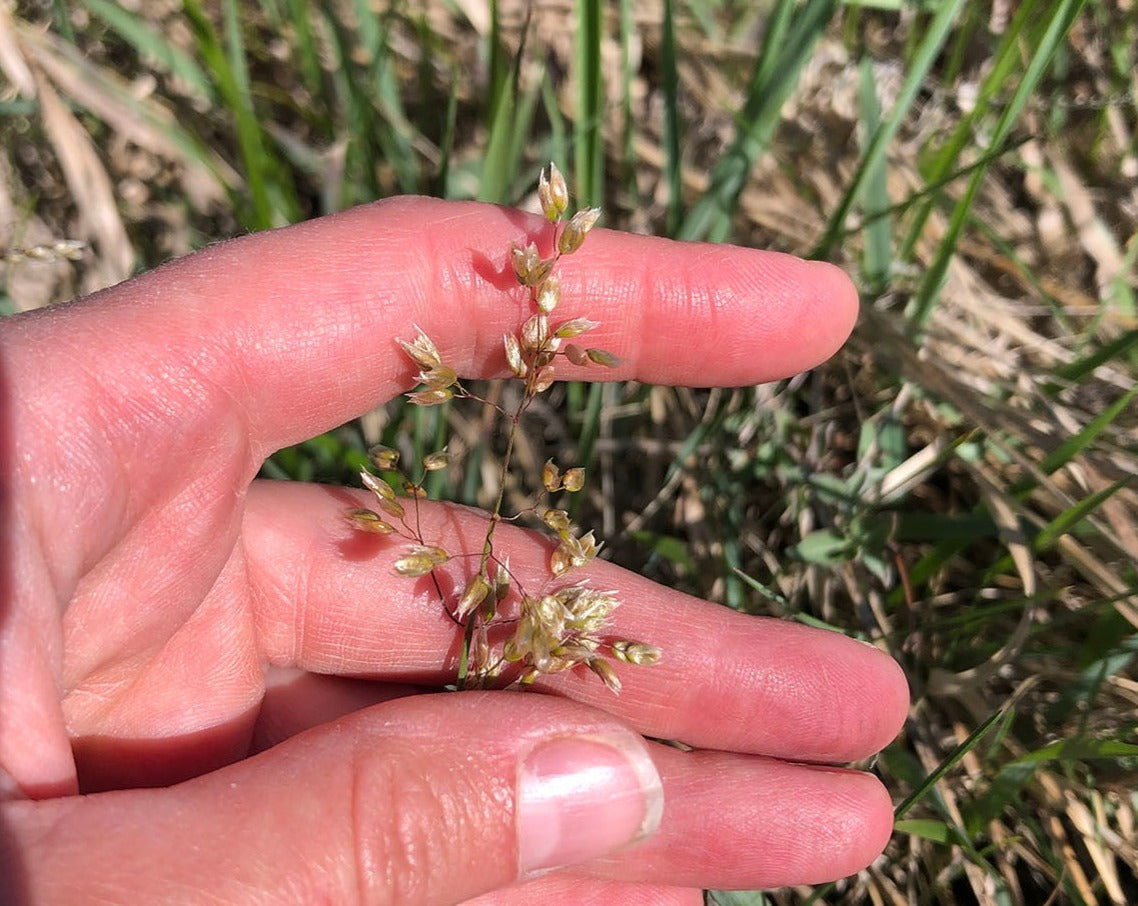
{"points": [[170, 622]]}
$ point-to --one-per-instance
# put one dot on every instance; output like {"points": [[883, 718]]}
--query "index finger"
{"points": [[297, 324]]}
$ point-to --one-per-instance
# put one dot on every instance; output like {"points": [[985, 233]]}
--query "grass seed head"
{"points": [[573, 236], [558, 627], [422, 351], [552, 193], [420, 560]]}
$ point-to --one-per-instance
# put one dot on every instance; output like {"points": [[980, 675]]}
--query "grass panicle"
{"points": [[956, 487]]}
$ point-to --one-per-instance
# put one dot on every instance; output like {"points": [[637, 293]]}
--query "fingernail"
{"points": [[580, 797]]}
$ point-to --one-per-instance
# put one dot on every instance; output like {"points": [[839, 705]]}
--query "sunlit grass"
{"points": [[956, 487]]}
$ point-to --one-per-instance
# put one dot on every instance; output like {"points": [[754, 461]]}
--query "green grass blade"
{"points": [[307, 54], [1074, 445], [877, 258], [1073, 515], [588, 145], [1061, 525], [628, 161], [951, 760], [150, 43], [508, 124], [672, 127], [1077, 443], [225, 63], [394, 130], [792, 32], [1045, 46], [1082, 367], [932, 43], [249, 135]]}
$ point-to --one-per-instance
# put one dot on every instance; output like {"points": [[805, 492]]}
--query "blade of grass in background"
{"points": [[307, 56], [1082, 367], [588, 140], [672, 127], [1043, 34], [916, 75], [877, 256], [510, 116], [226, 66], [394, 132], [792, 32], [149, 42], [627, 121]]}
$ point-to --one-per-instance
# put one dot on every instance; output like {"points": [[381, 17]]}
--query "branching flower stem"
{"points": [[561, 626]]}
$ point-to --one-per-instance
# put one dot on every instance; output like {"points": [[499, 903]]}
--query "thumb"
{"points": [[431, 799]]}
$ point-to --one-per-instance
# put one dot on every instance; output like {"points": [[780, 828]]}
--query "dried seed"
{"points": [[544, 380], [514, 355], [420, 560], [368, 521], [473, 595], [573, 236], [434, 396], [552, 193], [435, 462], [576, 354], [603, 669], [638, 653], [558, 520], [575, 328], [602, 357], [529, 267], [535, 332], [549, 293], [423, 351], [383, 458]]}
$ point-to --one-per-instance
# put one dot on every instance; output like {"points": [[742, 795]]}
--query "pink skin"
{"points": [[163, 605]]}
